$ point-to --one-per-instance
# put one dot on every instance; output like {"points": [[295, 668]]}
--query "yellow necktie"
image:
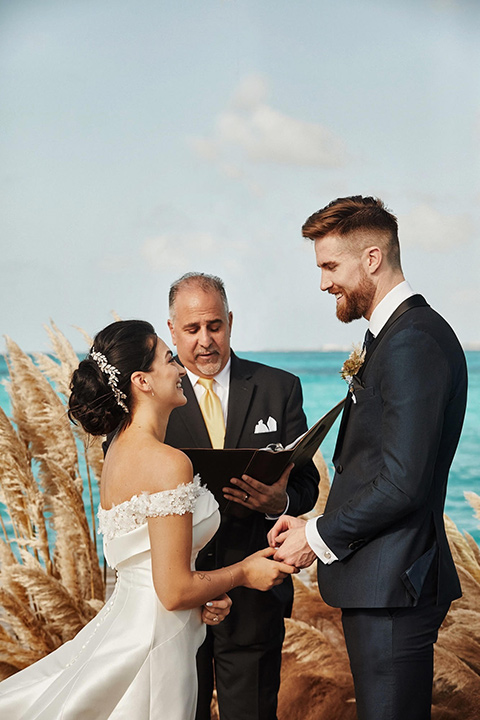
{"points": [[212, 412]]}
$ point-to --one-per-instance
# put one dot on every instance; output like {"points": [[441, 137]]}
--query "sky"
{"points": [[142, 139]]}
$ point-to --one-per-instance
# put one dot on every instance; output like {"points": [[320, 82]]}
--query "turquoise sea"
{"points": [[323, 387]]}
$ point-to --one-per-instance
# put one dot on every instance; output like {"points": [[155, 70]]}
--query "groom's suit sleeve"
{"points": [[412, 391]]}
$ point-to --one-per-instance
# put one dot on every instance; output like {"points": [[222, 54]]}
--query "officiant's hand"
{"points": [[289, 539], [214, 611], [253, 494]]}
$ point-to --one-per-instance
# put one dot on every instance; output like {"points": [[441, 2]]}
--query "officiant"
{"points": [[234, 403]]}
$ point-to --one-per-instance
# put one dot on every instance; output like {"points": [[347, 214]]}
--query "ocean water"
{"points": [[323, 387]]}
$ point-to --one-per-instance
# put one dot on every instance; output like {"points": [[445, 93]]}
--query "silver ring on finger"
{"points": [[246, 497], [215, 618]]}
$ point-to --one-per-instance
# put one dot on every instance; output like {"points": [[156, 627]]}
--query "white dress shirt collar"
{"points": [[387, 306], [221, 386]]}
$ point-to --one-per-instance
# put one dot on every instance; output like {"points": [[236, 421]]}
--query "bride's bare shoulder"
{"points": [[163, 467], [150, 467]]}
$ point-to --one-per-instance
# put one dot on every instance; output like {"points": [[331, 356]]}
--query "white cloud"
{"points": [[429, 229], [260, 133], [251, 91], [266, 135], [174, 251], [205, 148]]}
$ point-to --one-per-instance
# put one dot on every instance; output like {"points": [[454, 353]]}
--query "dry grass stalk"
{"points": [[60, 371], [323, 485], [63, 615], [316, 681], [462, 552], [87, 338], [39, 414], [474, 501], [20, 492], [49, 587], [60, 374], [27, 630], [75, 554]]}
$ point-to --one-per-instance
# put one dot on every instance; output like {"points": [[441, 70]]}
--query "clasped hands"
{"points": [[288, 534], [288, 538]]}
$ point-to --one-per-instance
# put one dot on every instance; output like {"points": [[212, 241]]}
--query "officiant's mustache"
{"points": [[210, 351]]}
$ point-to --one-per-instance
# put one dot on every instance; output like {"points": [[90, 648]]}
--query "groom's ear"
{"points": [[373, 258]]}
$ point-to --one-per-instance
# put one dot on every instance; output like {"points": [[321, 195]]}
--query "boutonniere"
{"points": [[351, 366]]}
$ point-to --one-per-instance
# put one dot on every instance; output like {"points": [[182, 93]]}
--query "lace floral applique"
{"points": [[133, 513]]}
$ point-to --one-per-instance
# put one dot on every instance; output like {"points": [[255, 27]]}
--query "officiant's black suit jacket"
{"points": [[256, 393], [384, 514]]}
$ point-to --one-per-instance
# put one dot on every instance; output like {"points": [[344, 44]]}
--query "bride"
{"points": [[136, 659]]}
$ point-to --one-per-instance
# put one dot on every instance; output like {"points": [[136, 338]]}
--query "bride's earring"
{"points": [[151, 391]]}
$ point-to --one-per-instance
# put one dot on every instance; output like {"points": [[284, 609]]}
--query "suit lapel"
{"points": [[412, 302], [239, 398]]}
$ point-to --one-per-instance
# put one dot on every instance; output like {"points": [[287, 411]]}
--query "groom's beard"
{"points": [[358, 302]]}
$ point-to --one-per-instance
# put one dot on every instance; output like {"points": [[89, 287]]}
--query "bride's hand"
{"points": [[214, 611], [262, 573]]}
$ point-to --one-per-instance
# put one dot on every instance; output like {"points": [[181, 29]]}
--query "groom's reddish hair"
{"points": [[360, 215]]}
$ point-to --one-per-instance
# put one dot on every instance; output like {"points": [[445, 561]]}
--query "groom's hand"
{"points": [[251, 493], [289, 539]]}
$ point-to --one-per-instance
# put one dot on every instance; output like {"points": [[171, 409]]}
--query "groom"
{"points": [[383, 551]]}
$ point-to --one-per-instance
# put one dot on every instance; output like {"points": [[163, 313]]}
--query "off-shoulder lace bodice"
{"points": [[133, 513]]}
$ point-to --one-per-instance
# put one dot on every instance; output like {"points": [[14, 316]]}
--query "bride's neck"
{"points": [[146, 419]]}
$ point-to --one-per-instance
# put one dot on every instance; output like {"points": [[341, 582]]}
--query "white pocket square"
{"points": [[269, 426]]}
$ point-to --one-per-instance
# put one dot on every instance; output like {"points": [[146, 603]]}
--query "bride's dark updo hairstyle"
{"points": [[101, 406]]}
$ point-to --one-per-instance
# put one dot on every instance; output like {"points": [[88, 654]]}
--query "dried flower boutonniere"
{"points": [[351, 366]]}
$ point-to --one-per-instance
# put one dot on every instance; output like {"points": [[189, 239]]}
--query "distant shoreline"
{"points": [[470, 347]]}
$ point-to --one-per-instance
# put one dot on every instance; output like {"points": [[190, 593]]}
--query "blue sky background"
{"points": [[142, 139]]}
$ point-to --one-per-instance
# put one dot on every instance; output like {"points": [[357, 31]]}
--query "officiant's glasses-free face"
{"points": [[201, 331]]}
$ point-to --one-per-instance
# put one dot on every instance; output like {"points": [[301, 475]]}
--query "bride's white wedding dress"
{"points": [[134, 660]]}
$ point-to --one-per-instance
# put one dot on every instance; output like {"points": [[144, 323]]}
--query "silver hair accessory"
{"points": [[112, 373]]}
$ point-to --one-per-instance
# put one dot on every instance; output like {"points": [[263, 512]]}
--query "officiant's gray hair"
{"points": [[207, 283]]}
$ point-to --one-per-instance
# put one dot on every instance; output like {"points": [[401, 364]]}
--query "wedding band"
{"points": [[215, 619], [246, 497]]}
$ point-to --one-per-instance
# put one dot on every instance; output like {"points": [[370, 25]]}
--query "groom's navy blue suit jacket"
{"points": [[256, 392], [384, 514]]}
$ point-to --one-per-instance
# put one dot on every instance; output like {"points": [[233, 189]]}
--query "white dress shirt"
{"points": [[221, 386], [380, 315]]}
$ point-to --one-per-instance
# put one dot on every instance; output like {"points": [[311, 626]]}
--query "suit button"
{"points": [[339, 469], [356, 544]]}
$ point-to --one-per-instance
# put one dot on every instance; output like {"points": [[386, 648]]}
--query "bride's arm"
{"points": [[180, 588]]}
